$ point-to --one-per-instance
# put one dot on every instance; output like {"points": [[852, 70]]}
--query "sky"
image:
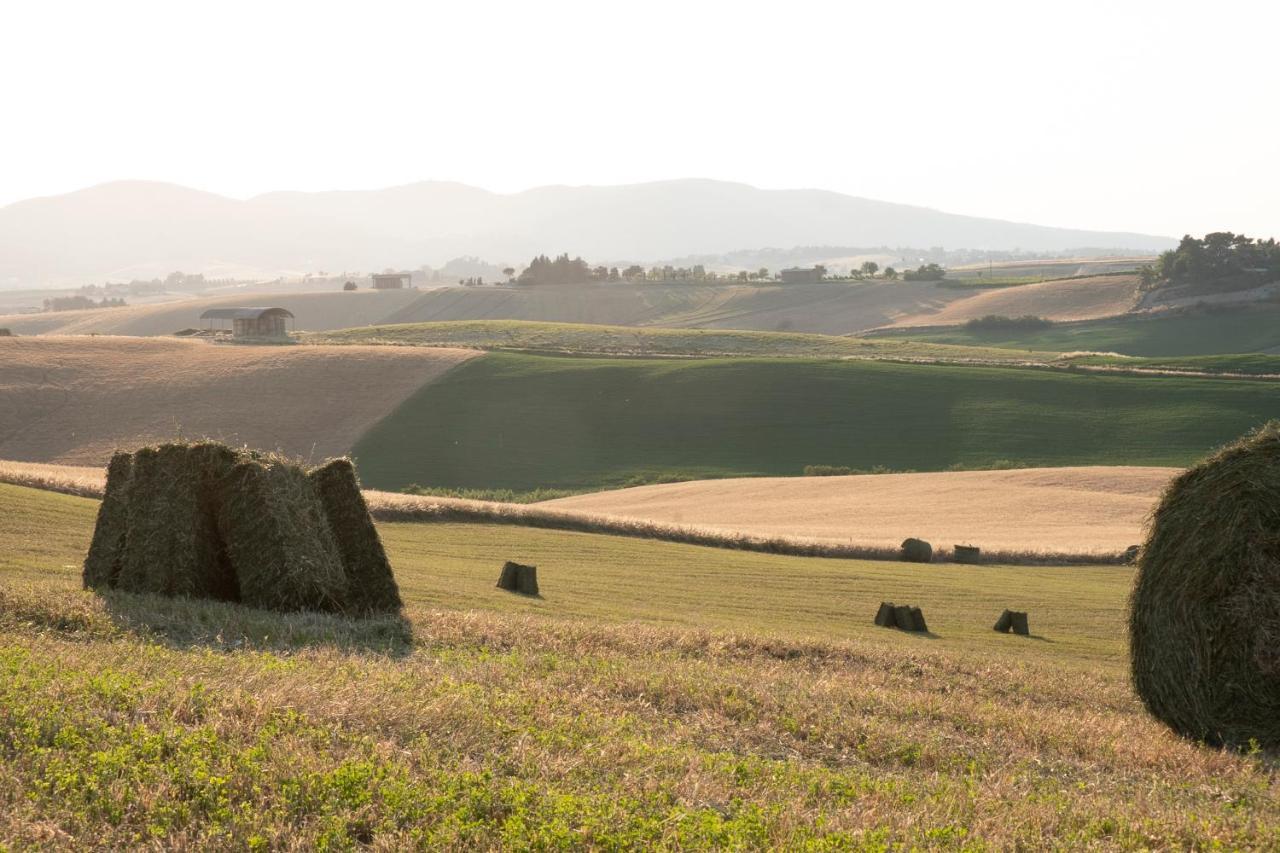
{"points": [[1151, 117]]}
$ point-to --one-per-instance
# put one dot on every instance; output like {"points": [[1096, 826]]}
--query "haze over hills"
{"points": [[143, 229]]}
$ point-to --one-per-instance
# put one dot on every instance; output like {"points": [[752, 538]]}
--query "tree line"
{"points": [[566, 270], [1220, 258]]}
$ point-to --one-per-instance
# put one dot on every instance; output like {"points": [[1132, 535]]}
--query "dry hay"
{"points": [[1205, 612], [516, 577], [206, 521], [371, 587]]}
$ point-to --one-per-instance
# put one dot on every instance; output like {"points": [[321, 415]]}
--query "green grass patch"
{"points": [[1180, 334], [1244, 364], [528, 336], [523, 422]]}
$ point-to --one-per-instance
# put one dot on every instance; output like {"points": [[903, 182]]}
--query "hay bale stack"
{"points": [[106, 551], [1013, 620], [278, 537], [1205, 610], [916, 551], [371, 587], [885, 615], [206, 521], [518, 578], [969, 554], [172, 546]]}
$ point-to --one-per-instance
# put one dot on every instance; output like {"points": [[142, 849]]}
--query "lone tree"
{"points": [[870, 268], [351, 285]]}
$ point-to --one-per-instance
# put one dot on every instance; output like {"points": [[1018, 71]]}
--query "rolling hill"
{"points": [[139, 229], [524, 421], [1227, 331], [74, 400]]}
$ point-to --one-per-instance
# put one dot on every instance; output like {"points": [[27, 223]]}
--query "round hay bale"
{"points": [[1204, 618], [916, 551]]}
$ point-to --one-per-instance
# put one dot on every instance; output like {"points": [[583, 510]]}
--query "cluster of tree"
{"points": [[1218, 257], [1001, 323], [78, 302], [925, 272]]}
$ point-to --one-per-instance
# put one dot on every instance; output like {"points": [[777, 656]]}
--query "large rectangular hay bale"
{"points": [[278, 538], [172, 546], [106, 550], [371, 585]]}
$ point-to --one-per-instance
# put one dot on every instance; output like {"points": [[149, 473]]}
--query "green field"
{"points": [[523, 422], [654, 696], [1199, 333], [582, 338], [1245, 364]]}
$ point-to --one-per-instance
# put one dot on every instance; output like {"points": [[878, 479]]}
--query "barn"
{"points": [[250, 322], [391, 280]]}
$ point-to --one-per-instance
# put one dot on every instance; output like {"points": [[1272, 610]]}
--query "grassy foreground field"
{"points": [[657, 696], [523, 422], [1181, 334]]}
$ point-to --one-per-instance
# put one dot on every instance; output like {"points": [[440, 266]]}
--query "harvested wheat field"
{"points": [[75, 399], [1065, 300], [1086, 510]]}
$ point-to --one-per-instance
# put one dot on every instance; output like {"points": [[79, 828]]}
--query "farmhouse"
{"points": [[390, 280], [801, 275], [251, 322]]}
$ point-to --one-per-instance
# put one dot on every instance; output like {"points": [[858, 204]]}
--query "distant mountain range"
{"points": [[137, 229]]}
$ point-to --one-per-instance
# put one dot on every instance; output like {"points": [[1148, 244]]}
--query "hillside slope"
{"points": [[74, 400], [825, 308], [1065, 300], [1037, 509], [523, 422]]}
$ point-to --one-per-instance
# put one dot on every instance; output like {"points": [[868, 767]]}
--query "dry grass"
{"points": [[75, 400], [1098, 510], [1029, 516], [130, 721], [1072, 299]]}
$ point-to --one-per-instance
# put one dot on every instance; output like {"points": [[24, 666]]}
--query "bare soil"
{"points": [[74, 400]]}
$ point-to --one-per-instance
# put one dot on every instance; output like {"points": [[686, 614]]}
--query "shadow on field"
{"points": [[185, 623]]}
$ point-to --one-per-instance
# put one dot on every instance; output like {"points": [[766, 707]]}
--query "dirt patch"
{"points": [[75, 399]]}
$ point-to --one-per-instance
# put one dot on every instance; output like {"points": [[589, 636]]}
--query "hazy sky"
{"points": [[1157, 117]]}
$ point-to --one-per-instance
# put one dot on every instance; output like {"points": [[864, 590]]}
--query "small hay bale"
{"points": [[916, 551], [5, 332], [106, 551], [172, 546], [1205, 611], [371, 586], [278, 538], [969, 554], [909, 618], [1005, 623], [1018, 621], [885, 615], [518, 578]]}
